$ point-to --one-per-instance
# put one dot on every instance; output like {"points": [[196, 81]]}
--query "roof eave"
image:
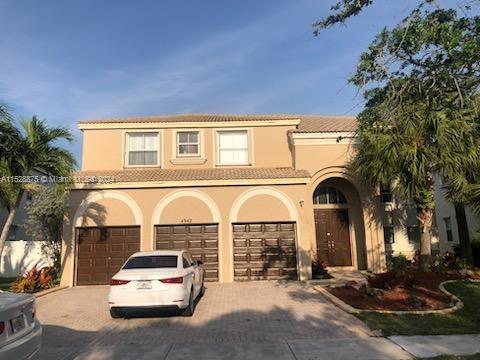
{"points": [[185, 124]]}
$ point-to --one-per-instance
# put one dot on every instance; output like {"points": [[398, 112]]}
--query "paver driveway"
{"points": [[236, 312]]}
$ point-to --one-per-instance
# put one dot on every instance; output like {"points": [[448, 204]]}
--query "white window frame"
{"points": [[177, 146], [126, 149], [249, 146]]}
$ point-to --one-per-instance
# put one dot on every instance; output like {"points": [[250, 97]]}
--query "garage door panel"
{"points": [[195, 244], [254, 228], [211, 243], [264, 251], [240, 243], [272, 242], [163, 245], [179, 229], [102, 251], [201, 240], [211, 274], [287, 227], [211, 229]]}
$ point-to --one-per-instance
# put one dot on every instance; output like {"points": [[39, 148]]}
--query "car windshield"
{"points": [[151, 262]]}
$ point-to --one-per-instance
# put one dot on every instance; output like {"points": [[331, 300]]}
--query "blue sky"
{"points": [[70, 60]]}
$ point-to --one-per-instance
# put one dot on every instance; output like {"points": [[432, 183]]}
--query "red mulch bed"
{"points": [[424, 288]]}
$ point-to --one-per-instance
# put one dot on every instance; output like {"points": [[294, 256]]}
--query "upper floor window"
{"points": [[233, 147], [142, 149], [188, 143], [328, 195]]}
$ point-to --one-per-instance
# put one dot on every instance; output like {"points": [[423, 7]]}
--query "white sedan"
{"points": [[156, 280], [20, 331]]}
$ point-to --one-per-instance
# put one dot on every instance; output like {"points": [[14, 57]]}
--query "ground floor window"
{"points": [[448, 228], [413, 233]]}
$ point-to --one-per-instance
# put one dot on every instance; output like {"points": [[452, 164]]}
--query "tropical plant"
{"points": [[420, 82], [21, 152], [34, 280], [44, 222]]}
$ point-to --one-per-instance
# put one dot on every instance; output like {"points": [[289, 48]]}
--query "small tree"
{"points": [[45, 220], [24, 150]]}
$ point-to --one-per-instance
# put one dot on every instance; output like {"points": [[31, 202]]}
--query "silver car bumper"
{"points": [[25, 347]]}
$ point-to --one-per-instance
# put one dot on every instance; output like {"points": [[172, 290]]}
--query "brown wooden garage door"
{"points": [[201, 240], [102, 251], [264, 251]]}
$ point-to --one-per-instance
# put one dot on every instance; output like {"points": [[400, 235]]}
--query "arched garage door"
{"points": [[102, 252], [201, 240], [264, 251]]}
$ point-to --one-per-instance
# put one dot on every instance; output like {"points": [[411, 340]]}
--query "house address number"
{"points": [[186, 221]]}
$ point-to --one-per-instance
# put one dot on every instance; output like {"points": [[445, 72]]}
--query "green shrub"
{"points": [[399, 263], [448, 261]]}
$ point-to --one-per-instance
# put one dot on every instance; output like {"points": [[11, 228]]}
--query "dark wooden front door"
{"points": [[201, 240], [333, 237], [102, 252]]}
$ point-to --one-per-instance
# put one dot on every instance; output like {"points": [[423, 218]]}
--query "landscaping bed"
{"points": [[463, 321], [413, 290]]}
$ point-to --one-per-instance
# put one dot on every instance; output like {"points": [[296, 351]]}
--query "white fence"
{"points": [[20, 255]]}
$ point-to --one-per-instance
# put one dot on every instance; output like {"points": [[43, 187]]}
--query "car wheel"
{"points": [[190, 309], [202, 290], [115, 314]]}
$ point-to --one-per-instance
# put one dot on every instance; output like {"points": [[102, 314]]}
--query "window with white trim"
{"points": [[233, 148], [142, 149], [188, 143]]}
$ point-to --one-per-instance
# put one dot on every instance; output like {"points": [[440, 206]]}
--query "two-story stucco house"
{"points": [[252, 196]]}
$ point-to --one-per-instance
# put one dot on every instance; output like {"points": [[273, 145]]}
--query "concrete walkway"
{"points": [[431, 346], [342, 349]]}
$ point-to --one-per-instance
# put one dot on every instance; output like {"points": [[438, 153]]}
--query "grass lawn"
{"points": [[464, 321], [5, 283]]}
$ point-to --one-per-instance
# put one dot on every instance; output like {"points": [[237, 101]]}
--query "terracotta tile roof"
{"points": [[193, 118], [308, 123], [152, 175], [325, 123]]}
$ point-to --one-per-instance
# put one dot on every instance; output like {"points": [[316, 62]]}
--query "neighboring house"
{"points": [[402, 231], [252, 196], [447, 221]]}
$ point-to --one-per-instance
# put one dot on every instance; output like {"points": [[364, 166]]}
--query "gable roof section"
{"points": [[305, 123], [162, 175], [326, 123]]}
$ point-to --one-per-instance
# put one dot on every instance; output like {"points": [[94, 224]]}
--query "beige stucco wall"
{"points": [[318, 157], [103, 149], [185, 209], [263, 208], [107, 212], [225, 205]]}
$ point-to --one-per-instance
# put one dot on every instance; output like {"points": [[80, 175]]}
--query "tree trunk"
{"points": [[425, 217], [463, 235], [9, 222]]}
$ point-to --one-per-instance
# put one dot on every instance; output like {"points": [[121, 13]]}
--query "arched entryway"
{"points": [[339, 229]]}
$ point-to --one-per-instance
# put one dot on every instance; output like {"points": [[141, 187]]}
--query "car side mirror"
{"points": [[199, 262]]}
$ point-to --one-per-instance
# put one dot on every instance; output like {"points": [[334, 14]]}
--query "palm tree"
{"points": [[23, 150], [409, 145]]}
